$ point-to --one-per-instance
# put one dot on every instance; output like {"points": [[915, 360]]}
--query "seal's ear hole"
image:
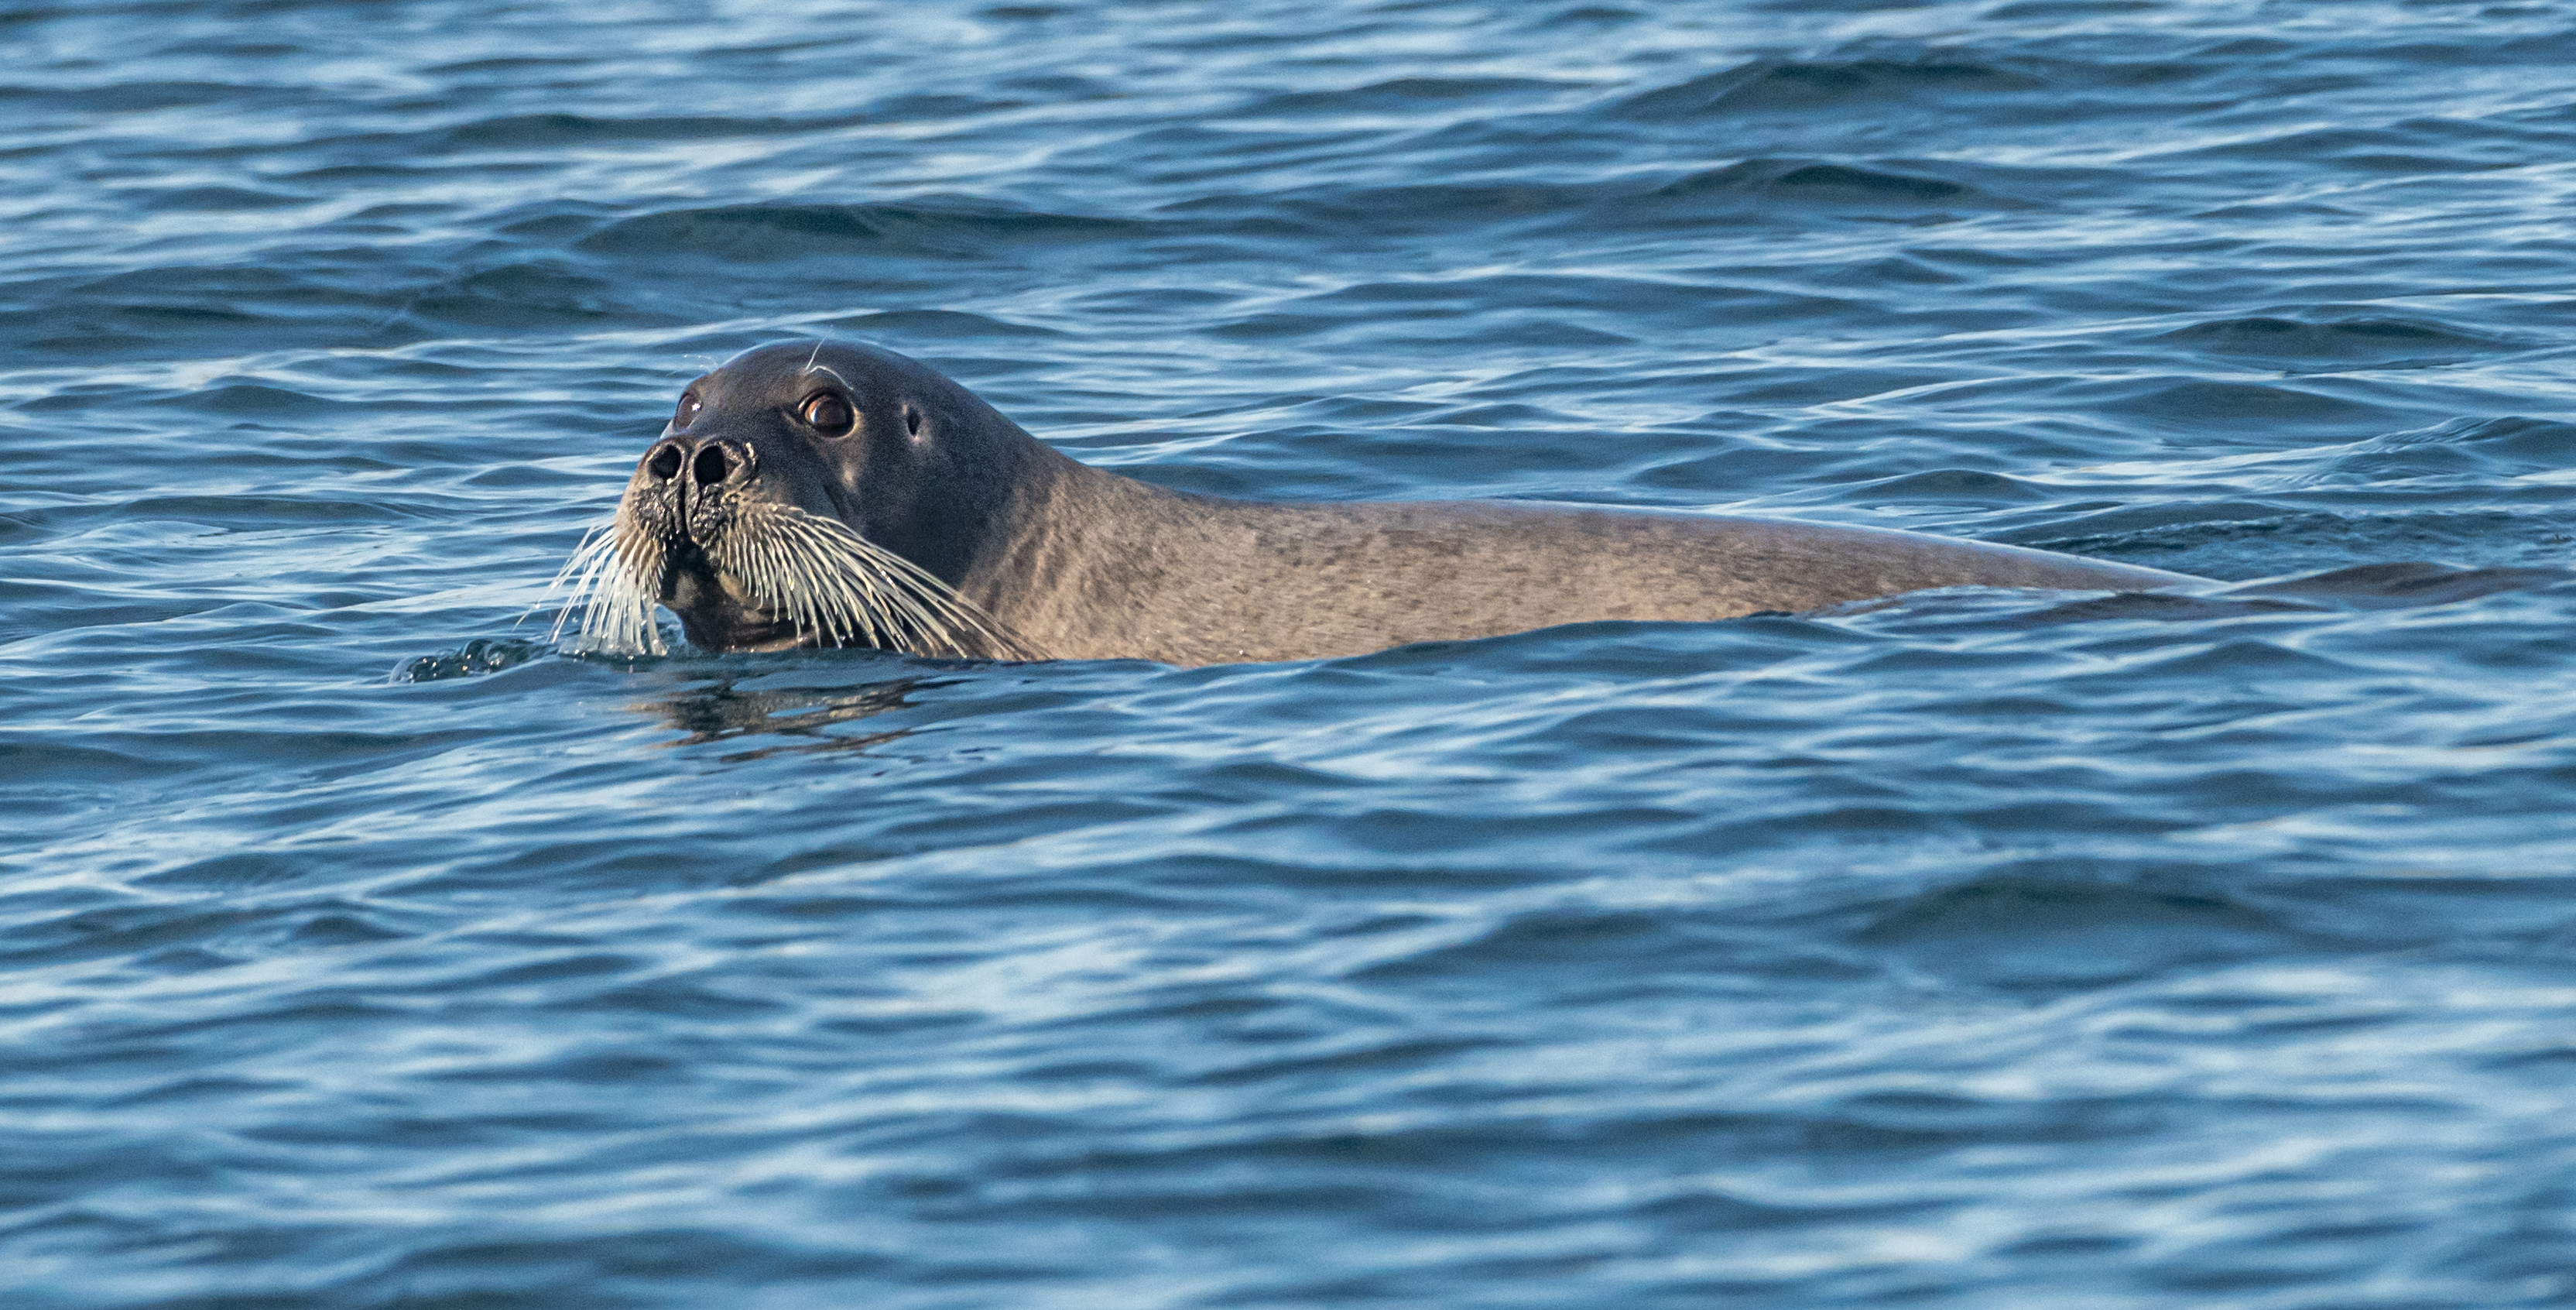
{"points": [[912, 420]]}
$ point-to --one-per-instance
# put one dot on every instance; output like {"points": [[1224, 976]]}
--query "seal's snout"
{"points": [[685, 488], [710, 464]]}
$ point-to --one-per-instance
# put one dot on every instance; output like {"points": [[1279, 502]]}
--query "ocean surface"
{"points": [[359, 947]]}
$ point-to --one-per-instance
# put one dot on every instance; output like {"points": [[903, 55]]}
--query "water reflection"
{"points": [[724, 711]]}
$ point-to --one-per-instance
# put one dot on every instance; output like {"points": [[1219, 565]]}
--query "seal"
{"points": [[826, 494]]}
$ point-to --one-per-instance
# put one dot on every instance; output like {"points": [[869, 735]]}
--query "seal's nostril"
{"points": [[712, 467], [664, 464]]}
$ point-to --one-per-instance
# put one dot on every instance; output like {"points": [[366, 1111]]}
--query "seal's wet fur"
{"points": [[1016, 551]]}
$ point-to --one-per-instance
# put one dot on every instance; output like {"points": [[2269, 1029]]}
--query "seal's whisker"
{"points": [[842, 598], [917, 598], [903, 616], [857, 605], [922, 608], [588, 546], [823, 578], [617, 570], [589, 563], [861, 605], [578, 569]]}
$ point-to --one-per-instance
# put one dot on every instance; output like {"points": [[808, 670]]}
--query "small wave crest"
{"points": [[473, 659], [780, 232]]}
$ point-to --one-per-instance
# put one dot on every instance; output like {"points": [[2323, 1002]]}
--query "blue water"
{"points": [[1981, 950]]}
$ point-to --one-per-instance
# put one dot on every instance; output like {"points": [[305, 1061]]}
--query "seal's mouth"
{"points": [[721, 609]]}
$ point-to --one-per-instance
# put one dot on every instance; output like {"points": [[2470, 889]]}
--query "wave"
{"points": [[1399, 95], [557, 130], [2384, 339], [788, 231], [1808, 183], [1766, 85]]}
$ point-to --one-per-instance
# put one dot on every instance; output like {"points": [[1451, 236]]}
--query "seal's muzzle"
{"points": [[692, 483]]}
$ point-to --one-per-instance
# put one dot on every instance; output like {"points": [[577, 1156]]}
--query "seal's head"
{"points": [[808, 494]]}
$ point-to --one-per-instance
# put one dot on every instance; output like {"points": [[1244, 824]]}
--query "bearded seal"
{"points": [[824, 494]]}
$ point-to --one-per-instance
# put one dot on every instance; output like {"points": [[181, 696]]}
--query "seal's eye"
{"points": [[826, 413], [688, 410]]}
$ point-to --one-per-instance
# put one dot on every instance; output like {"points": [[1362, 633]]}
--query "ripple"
{"points": [[764, 233], [2029, 932], [1821, 184], [1792, 85], [2385, 339], [545, 131], [1969, 948]]}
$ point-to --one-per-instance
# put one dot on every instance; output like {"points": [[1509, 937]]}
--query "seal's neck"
{"points": [[1073, 539]]}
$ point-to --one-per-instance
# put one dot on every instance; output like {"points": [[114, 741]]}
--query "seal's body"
{"points": [[1107, 566], [831, 494]]}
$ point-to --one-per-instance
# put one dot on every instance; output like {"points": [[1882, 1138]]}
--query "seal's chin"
{"points": [[719, 611]]}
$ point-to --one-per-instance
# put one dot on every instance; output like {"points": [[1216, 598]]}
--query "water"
{"points": [[1981, 950]]}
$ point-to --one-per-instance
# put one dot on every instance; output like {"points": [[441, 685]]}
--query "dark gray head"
{"points": [[812, 493]]}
